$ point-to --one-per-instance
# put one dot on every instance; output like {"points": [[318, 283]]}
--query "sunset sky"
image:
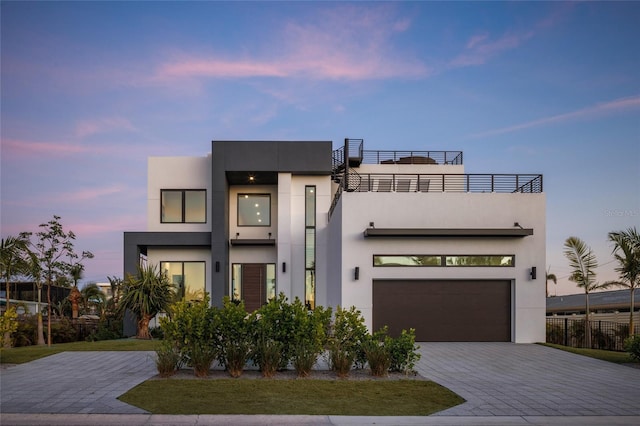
{"points": [[91, 89]]}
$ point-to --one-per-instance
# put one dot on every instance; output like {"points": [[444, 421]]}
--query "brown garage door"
{"points": [[444, 311]]}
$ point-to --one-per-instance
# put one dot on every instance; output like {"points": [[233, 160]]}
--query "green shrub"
{"points": [[62, 331], [26, 333], [404, 352], [234, 337], [274, 321], [108, 329], [192, 329], [8, 324], [311, 328], [201, 355], [168, 358], [377, 349], [632, 345], [347, 335], [270, 356]]}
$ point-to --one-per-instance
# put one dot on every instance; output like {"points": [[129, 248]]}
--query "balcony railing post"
{"points": [[517, 183]]}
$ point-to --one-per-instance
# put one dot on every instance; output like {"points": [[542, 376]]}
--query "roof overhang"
{"points": [[252, 242], [447, 232]]}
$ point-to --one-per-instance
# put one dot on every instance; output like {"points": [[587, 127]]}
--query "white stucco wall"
{"points": [[176, 173], [446, 210]]}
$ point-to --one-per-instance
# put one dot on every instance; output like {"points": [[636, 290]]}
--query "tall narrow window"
{"points": [[183, 206], [310, 246]]}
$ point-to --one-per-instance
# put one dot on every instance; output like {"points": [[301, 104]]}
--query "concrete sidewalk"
{"points": [[503, 383], [261, 420]]}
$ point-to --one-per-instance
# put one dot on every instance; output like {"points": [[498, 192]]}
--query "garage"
{"points": [[445, 310]]}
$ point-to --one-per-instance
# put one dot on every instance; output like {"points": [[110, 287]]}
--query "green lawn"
{"points": [[30, 353], [611, 356], [295, 396]]}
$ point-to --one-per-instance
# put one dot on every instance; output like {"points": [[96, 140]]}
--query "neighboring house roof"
{"points": [[617, 299]]}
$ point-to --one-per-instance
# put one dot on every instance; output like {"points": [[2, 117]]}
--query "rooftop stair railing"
{"points": [[412, 157]]}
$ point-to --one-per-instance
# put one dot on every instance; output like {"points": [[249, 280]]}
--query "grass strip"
{"points": [[611, 356], [29, 353], [296, 396]]}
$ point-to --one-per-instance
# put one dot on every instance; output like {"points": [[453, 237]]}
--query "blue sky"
{"points": [[91, 89]]}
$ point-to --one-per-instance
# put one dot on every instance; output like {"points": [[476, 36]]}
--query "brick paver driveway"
{"points": [[75, 382], [506, 379]]}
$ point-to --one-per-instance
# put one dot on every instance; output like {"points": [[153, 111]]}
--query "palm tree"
{"points": [[13, 261], [550, 277], [626, 251], [93, 297], [583, 261], [146, 294]]}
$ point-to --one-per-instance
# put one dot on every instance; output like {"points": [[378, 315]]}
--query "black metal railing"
{"points": [[606, 335], [412, 157], [443, 182]]}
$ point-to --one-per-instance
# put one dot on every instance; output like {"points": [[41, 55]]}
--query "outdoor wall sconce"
{"points": [[269, 235], [372, 225], [217, 266], [356, 273], [533, 273], [284, 267], [237, 235]]}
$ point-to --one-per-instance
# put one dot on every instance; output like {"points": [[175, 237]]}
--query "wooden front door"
{"points": [[253, 285]]}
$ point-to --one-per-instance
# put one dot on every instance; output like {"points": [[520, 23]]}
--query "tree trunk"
{"points": [[40, 330], [143, 327], [587, 325], [7, 340], [49, 313], [39, 317], [631, 313]]}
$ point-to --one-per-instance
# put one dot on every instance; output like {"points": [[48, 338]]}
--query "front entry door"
{"points": [[253, 285]]}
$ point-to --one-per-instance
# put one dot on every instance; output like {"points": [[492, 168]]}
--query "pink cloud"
{"points": [[86, 194], [102, 125], [348, 43], [25, 148], [621, 104], [480, 48]]}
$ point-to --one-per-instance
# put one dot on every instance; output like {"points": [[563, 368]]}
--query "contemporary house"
{"points": [[407, 237]]}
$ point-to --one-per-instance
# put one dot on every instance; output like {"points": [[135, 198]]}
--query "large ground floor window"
{"points": [[253, 283], [187, 277]]}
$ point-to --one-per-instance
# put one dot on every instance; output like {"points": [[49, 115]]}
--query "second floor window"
{"points": [[183, 206], [254, 210]]}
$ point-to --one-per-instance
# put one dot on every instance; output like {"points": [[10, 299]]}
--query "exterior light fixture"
{"points": [[372, 225], [533, 273], [356, 273], [284, 267], [217, 266], [269, 235], [237, 235]]}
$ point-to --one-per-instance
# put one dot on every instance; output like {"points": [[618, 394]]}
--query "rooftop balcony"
{"points": [[440, 182]]}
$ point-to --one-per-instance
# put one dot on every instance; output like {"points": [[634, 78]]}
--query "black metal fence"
{"points": [[606, 335]]}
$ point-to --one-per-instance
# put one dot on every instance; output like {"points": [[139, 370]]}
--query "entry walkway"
{"points": [[503, 383]]}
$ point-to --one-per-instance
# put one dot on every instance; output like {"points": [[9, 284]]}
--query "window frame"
{"points": [[250, 194], [443, 261], [183, 262], [183, 204]]}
